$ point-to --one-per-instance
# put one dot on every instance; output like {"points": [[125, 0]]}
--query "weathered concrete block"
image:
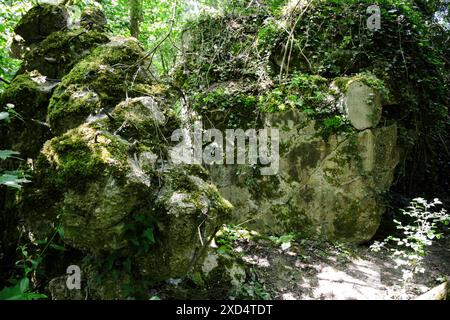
{"points": [[360, 103], [329, 188]]}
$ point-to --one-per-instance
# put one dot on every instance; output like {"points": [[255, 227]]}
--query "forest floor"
{"points": [[311, 270]]}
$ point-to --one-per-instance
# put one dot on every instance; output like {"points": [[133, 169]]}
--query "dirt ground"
{"points": [[311, 270]]}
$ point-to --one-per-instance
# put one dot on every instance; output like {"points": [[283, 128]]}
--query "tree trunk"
{"points": [[135, 17]]}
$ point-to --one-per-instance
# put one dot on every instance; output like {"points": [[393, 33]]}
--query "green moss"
{"points": [[260, 187], [65, 49], [27, 97], [183, 202], [226, 109], [93, 18], [291, 219], [347, 158], [101, 80], [151, 120], [222, 281], [309, 155], [301, 91], [181, 182], [370, 80], [332, 125], [311, 94], [83, 154], [346, 224], [34, 28], [30, 100], [185, 179], [269, 35]]}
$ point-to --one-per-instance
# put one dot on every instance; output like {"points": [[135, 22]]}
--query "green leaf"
{"points": [[13, 179], [24, 284], [286, 238], [34, 296], [5, 154], [60, 231], [148, 234], [57, 247], [224, 249], [11, 293], [17, 292]]}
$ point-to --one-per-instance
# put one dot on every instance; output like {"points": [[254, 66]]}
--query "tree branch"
{"points": [[151, 53]]}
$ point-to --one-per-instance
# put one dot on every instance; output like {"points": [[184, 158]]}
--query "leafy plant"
{"points": [[140, 232], [285, 241], [332, 125], [10, 13], [14, 178], [228, 235], [21, 291], [255, 290], [255, 286], [29, 264], [419, 232]]}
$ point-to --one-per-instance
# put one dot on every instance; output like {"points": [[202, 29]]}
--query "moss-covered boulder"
{"points": [[219, 276], [29, 95], [102, 179], [56, 55], [111, 73], [93, 18], [78, 156], [142, 118], [186, 199], [109, 186], [326, 128], [39, 22]]}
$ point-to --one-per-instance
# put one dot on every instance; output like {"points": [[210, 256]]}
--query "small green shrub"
{"points": [[419, 232], [14, 178], [21, 291], [31, 259]]}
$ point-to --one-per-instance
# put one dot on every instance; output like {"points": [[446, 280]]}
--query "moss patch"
{"points": [[55, 56], [30, 95], [101, 80], [84, 153], [34, 28]]}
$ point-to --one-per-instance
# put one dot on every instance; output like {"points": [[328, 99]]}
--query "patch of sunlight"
{"points": [[360, 280], [258, 261]]}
